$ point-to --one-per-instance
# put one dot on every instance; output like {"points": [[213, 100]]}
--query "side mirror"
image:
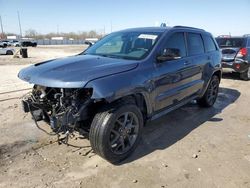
{"points": [[169, 54], [88, 43]]}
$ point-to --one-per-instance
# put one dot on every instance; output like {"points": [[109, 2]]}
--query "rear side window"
{"points": [[177, 41], [209, 43], [248, 45], [195, 44], [230, 42]]}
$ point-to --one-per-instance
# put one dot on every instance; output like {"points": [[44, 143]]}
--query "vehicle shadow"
{"points": [[231, 75], [167, 130]]}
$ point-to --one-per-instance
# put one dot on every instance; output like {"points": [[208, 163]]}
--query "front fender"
{"points": [[120, 85]]}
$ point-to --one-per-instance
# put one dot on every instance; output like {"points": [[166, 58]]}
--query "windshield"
{"points": [[125, 45], [230, 42]]}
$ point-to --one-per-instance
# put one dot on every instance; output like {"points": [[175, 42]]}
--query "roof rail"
{"points": [[180, 26], [246, 35], [224, 36]]}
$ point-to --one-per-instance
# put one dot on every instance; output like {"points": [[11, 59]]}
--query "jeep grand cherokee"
{"points": [[123, 80]]}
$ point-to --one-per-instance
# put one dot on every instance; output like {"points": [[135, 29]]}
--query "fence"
{"points": [[58, 42]]}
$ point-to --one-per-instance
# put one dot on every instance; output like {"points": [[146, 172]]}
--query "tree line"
{"points": [[31, 33]]}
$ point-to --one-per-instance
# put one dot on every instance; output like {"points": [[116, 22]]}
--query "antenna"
{"points": [[163, 25], [111, 26]]}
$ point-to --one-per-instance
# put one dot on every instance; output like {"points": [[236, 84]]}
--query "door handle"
{"points": [[187, 63]]}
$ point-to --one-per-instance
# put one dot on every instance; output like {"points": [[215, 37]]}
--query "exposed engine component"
{"points": [[61, 108]]}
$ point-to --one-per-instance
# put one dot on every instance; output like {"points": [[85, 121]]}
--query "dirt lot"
{"points": [[42, 53], [190, 147]]}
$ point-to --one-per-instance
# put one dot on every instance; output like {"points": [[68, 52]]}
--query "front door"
{"points": [[169, 76]]}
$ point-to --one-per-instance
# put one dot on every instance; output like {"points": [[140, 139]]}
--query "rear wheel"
{"points": [[115, 132], [9, 52], [211, 93], [245, 75]]}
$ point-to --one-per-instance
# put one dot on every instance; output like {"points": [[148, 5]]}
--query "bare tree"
{"points": [[31, 33]]}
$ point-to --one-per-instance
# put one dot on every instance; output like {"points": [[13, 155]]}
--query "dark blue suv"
{"points": [[236, 54], [123, 80]]}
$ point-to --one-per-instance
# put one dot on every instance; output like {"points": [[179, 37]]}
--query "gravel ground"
{"points": [[190, 147]]}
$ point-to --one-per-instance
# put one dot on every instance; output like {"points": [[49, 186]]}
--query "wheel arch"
{"points": [[136, 98], [218, 73]]}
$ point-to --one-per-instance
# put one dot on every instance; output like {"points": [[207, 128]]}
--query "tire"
{"points": [[9, 52], [210, 96], [112, 138], [245, 75]]}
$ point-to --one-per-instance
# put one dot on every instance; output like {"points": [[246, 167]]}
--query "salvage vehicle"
{"points": [[28, 43], [125, 79], [15, 43], [7, 51], [3, 44], [236, 54]]}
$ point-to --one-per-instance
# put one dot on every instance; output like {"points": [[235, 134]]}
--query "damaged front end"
{"points": [[63, 109]]}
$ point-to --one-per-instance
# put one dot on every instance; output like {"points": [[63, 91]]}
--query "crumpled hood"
{"points": [[75, 71]]}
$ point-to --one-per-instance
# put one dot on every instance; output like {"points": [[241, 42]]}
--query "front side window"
{"points": [[177, 41], [125, 45], [195, 44], [209, 43]]}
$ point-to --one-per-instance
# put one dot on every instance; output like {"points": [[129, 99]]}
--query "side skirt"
{"points": [[171, 108]]}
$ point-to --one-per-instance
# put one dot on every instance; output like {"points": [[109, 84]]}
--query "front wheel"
{"points": [[115, 132], [245, 75], [210, 96]]}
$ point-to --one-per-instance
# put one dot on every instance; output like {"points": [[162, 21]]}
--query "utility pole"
{"points": [[19, 24], [57, 30], [1, 25], [111, 26]]}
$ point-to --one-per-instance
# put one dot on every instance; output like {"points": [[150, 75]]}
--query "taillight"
{"points": [[237, 66], [242, 52]]}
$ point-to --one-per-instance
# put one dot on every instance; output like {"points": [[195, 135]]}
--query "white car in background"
{"points": [[16, 44], [7, 51]]}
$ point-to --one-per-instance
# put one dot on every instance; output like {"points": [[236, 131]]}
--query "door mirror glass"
{"points": [[169, 54]]}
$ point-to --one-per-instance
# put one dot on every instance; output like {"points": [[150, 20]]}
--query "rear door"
{"points": [[196, 61]]}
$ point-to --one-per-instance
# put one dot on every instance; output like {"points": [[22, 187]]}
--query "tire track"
{"points": [[11, 95]]}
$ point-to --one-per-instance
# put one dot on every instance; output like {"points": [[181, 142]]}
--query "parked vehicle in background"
{"points": [[123, 80], [3, 44], [28, 43], [7, 51], [7, 42], [15, 43], [236, 54]]}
